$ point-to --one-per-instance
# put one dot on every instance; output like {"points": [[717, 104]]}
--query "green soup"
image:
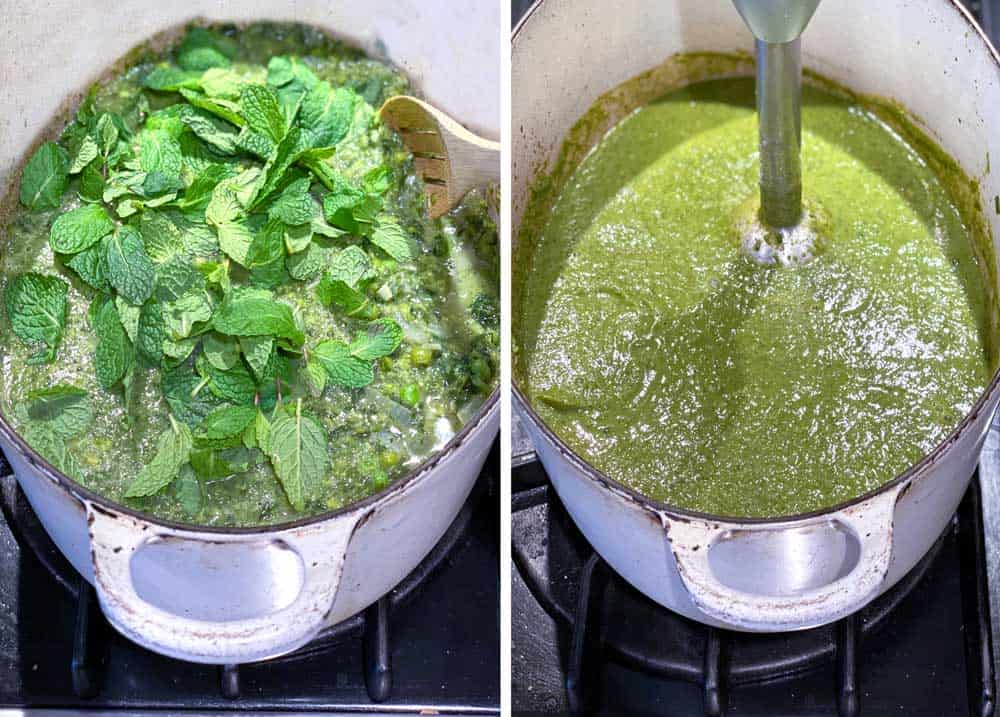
{"points": [[225, 302], [661, 353]]}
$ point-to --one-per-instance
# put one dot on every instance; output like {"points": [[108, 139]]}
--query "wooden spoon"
{"points": [[450, 159]]}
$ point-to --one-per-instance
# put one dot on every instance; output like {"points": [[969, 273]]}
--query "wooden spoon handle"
{"points": [[451, 159]]}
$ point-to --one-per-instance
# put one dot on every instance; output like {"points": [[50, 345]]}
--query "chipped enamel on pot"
{"points": [[803, 571], [228, 596]]}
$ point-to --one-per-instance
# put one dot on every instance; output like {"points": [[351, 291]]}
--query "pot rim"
{"points": [[604, 481], [86, 495]]}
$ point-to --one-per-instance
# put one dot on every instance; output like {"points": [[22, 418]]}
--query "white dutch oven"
{"points": [[807, 570], [231, 596]]}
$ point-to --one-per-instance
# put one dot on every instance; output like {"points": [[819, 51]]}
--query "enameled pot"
{"points": [[240, 595], [807, 570]]}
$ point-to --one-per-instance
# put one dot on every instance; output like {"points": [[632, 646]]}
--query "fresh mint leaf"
{"points": [[391, 238], [187, 394], [223, 352], [151, 334], [176, 277], [226, 109], [381, 338], [284, 156], [173, 451], [129, 316], [107, 134], [130, 270], [339, 204], [235, 240], [266, 255], [113, 357], [298, 237], [336, 292], [199, 193], [85, 154], [66, 409], [36, 309], [224, 206], [343, 368], [326, 114], [91, 183], [224, 426], [160, 237], [257, 350], [91, 266], [262, 432], [297, 447], [167, 120], [315, 161], [257, 314], [221, 82], [309, 263], [198, 237], [255, 143], [160, 157], [282, 70], [212, 132], [203, 49], [294, 204], [320, 226], [79, 229], [315, 377], [177, 351], [201, 58], [235, 385], [52, 447], [293, 79], [216, 274], [187, 490], [45, 178], [123, 183], [262, 112], [352, 266], [187, 315], [170, 79]]}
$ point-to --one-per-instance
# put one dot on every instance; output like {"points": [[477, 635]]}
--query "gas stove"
{"points": [[431, 646]]}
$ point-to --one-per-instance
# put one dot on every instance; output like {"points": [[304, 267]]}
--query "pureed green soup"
{"points": [[660, 352], [225, 302]]}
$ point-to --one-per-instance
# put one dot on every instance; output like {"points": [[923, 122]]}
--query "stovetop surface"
{"points": [[444, 640]]}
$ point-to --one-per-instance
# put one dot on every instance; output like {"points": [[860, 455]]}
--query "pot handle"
{"points": [[312, 556], [869, 524]]}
